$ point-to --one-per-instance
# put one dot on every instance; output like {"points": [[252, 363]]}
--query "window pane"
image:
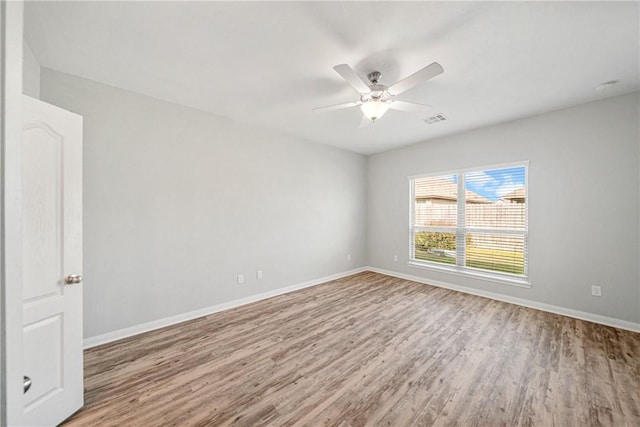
{"points": [[435, 203], [496, 199], [436, 247], [502, 253]]}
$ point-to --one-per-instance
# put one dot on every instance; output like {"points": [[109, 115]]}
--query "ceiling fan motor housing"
{"points": [[374, 77], [376, 92]]}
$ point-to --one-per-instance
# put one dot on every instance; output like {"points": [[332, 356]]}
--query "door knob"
{"points": [[26, 384], [72, 279]]}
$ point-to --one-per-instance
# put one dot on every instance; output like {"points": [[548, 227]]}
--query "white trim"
{"points": [[473, 169], [522, 233], [11, 364], [577, 314], [172, 320], [475, 273]]}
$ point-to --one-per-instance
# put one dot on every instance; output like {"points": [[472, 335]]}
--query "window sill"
{"points": [[521, 283]]}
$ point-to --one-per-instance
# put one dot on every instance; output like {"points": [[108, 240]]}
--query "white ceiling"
{"points": [[268, 64]]}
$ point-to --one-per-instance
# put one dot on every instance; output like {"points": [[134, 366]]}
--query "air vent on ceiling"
{"points": [[435, 119]]}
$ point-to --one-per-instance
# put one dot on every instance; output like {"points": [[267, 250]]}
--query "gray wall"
{"points": [[177, 202], [583, 202]]}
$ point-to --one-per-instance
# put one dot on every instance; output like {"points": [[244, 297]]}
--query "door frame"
{"points": [[11, 20]]}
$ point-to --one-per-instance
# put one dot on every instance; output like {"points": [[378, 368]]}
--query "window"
{"points": [[472, 221]]}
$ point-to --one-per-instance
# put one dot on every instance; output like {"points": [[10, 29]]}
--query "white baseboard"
{"points": [[172, 320], [582, 315]]}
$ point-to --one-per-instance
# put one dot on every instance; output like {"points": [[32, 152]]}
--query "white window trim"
{"points": [[460, 268], [474, 169], [474, 273]]}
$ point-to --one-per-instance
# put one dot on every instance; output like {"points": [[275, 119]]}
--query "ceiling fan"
{"points": [[375, 98]]}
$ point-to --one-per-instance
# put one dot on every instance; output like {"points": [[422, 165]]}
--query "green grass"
{"points": [[503, 261], [425, 256]]}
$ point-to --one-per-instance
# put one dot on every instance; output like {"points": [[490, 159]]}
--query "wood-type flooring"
{"points": [[368, 349]]}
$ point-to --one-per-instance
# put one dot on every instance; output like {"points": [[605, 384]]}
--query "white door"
{"points": [[52, 262]]}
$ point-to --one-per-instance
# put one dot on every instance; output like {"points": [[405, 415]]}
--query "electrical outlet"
{"points": [[259, 274], [395, 258], [596, 291], [240, 278], [348, 257]]}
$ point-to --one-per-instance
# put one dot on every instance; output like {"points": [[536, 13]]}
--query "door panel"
{"points": [[52, 250], [42, 220], [47, 366]]}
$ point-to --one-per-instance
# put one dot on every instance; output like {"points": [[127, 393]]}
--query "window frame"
{"points": [[461, 230]]}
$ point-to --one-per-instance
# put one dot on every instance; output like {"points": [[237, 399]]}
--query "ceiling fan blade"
{"points": [[338, 106], [420, 76], [365, 122], [352, 78], [410, 107]]}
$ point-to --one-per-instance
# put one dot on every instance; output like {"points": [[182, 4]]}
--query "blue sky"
{"points": [[493, 184]]}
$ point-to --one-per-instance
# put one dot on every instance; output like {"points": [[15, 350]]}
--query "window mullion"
{"points": [[460, 231], [451, 230], [502, 231]]}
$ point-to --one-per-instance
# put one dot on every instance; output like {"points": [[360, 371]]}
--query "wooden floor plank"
{"points": [[366, 350]]}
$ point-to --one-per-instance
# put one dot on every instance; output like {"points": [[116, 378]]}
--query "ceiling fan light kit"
{"points": [[377, 101], [375, 98], [374, 109]]}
